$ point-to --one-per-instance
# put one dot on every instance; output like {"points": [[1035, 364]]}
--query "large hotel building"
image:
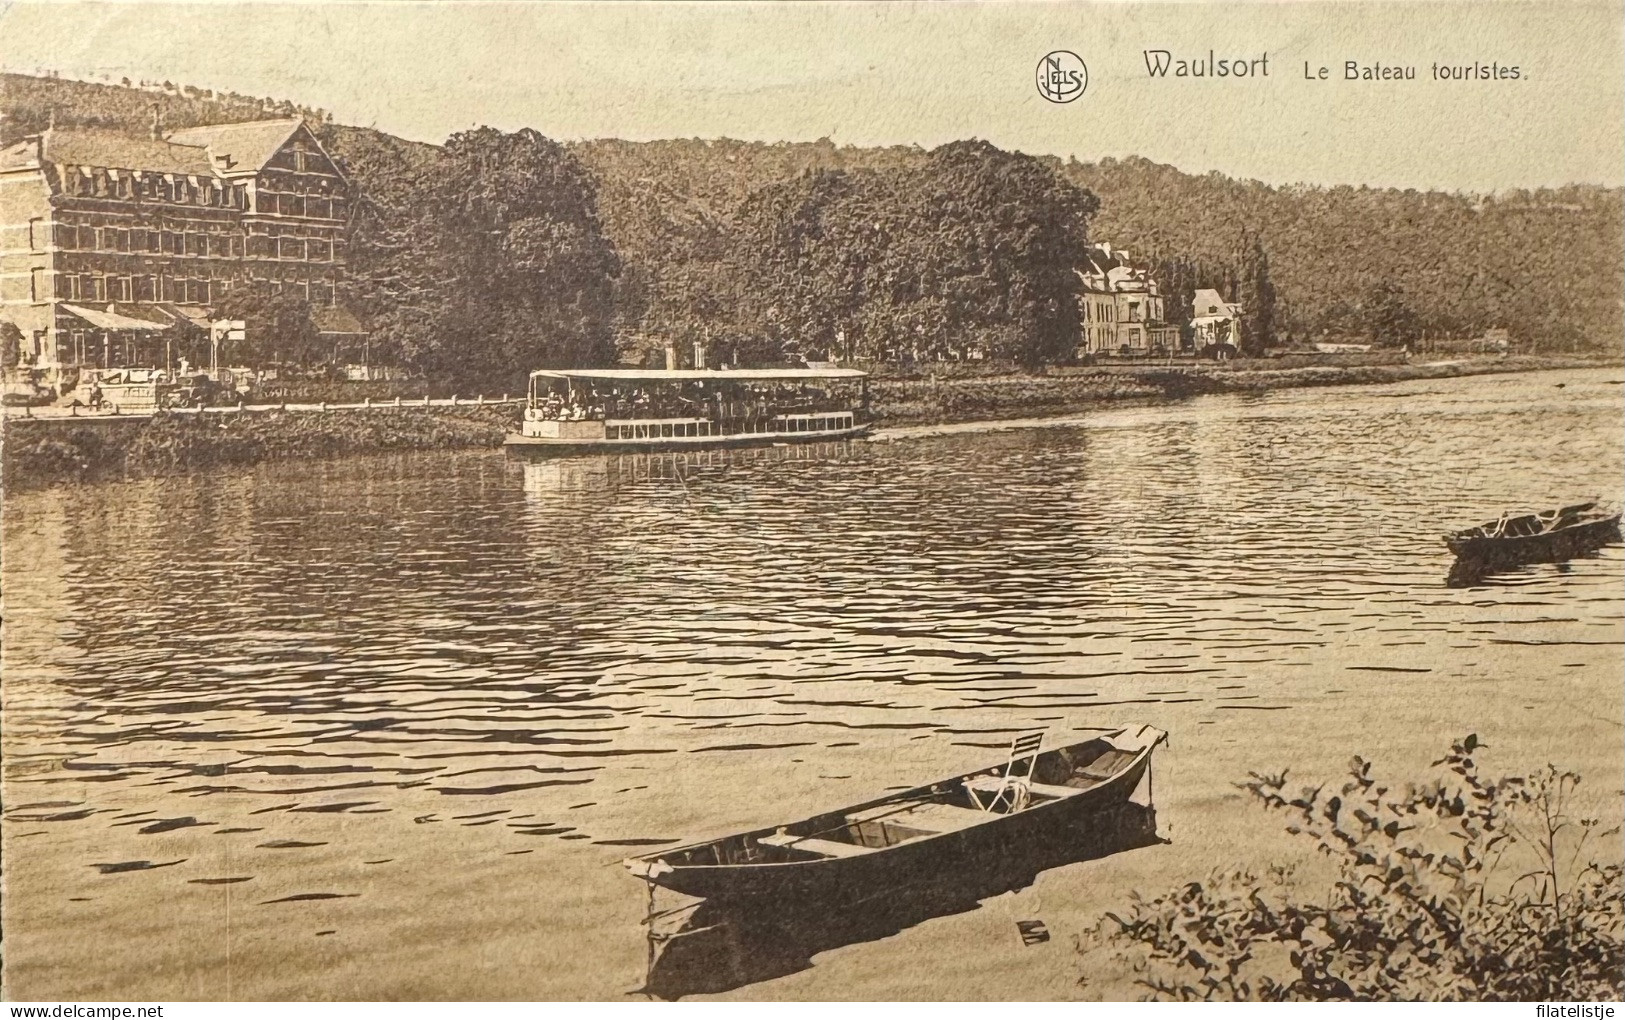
{"points": [[114, 249]]}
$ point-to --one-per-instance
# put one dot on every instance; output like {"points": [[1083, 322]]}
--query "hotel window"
{"points": [[122, 288], [121, 239], [146, 288], [87, 238], [39, 285], [291, 248], [37, 234], [319, 251], [318, 207], [67, 288], [93, 288]]}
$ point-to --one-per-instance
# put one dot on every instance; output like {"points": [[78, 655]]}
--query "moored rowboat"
{"points": [[1037, 795], [1550, 535]]}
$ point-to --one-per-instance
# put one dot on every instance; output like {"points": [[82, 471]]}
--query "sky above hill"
{"points": [[865, 74]]}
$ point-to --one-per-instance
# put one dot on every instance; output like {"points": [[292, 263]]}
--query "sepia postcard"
{"points": [[610, 502]]}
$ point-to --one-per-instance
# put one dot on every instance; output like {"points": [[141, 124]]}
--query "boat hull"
{"points": [[1080, 817], [1560, 544], [521, 445], [906, 863]]}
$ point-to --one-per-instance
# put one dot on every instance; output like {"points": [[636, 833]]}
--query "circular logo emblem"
{"points": [[1062, 76]]}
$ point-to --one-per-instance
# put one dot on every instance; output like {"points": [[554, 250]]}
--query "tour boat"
{"points": [[620, 410], [1037, 797], [1554, 534]]}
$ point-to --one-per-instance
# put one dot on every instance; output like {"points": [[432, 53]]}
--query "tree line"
{"points": [[501, 251], [496, 252]]}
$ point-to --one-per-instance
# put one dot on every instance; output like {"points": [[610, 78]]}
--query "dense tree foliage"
{"points": [[1545, 264], [278, 328], [32, 102], [485, 259], [11, 345], [1255, 292], [972, 248]]}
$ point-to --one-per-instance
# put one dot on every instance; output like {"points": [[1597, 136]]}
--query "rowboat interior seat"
{"points": [[991, 785], [827, 847], [1104, 767]]}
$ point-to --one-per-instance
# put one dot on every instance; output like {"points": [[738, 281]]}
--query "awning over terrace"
{"points": [[109, 319]]}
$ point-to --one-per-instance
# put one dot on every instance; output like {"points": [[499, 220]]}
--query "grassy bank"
{"points": [[43, 452]]}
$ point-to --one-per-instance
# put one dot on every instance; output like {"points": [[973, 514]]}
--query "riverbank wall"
{"points": [[38, 451], [41, 451], [955, 393]]}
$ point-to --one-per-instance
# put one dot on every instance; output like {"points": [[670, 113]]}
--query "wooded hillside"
{"points": [[865, 251]]}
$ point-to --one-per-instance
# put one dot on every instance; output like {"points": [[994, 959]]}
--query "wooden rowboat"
{"points": [[1554, 534], [1034, 797]]}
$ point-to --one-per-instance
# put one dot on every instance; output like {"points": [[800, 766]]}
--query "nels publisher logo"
{"points": [[1062, 76]]}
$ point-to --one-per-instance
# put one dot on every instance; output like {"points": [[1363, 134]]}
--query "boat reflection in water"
{"points": [[604, 472], [716, 945]]}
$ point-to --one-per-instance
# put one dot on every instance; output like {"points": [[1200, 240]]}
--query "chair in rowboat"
{"points": [[1013, 789]]}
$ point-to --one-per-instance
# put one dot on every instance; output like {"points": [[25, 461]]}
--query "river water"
{"points": [[383, 727]]}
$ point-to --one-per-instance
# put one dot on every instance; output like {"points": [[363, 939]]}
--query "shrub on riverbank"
{"points": [[1471, 888]]}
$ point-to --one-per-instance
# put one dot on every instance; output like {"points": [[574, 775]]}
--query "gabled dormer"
{"points": [[247, 149]]}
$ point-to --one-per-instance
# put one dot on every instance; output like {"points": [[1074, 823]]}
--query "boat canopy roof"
{"points": [[651, 375]]}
